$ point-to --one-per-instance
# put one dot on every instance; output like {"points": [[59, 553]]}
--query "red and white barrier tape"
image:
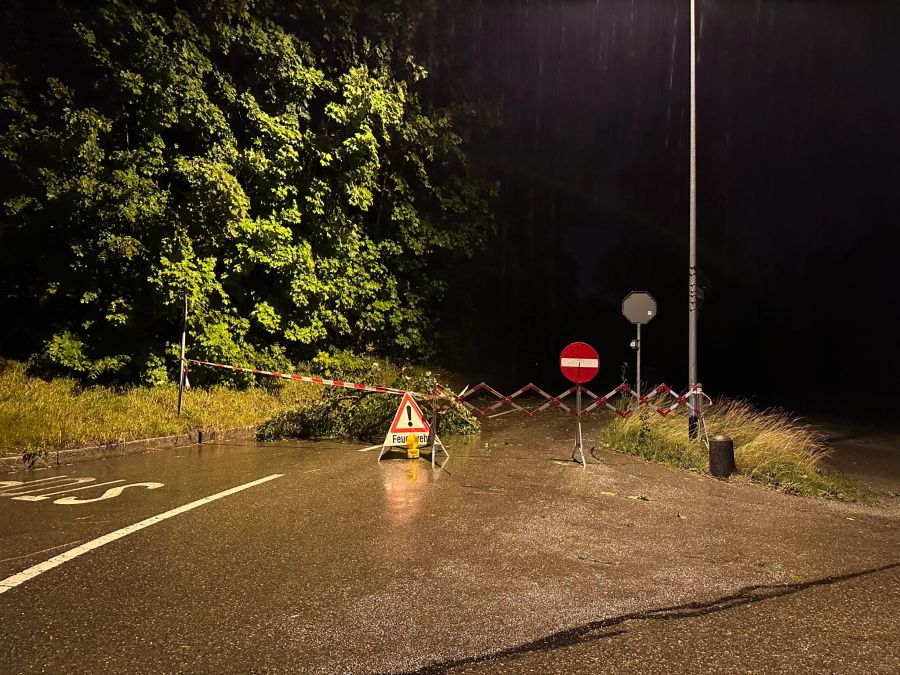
{"points": [[356, 386]]}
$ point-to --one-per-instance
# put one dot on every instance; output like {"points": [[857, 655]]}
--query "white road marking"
{"points": [[371, 447], [25, 489], [6, 484], [37, 498], [35, 570], [109, 494]]}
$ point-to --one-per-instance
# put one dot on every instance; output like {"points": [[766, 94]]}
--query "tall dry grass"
{"points": [[38, 415], [770, 447]]}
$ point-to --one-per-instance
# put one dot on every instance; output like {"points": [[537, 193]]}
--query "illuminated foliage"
{"points": [[276, 166]]}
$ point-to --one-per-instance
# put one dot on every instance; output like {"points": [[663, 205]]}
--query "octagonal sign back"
{"points": [[639, 307]]}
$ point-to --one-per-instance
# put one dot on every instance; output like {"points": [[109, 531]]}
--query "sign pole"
{"points": [[182, 363], [638, 363], [579, 445]]}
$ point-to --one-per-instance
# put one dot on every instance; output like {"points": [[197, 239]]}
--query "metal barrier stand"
{"points": [[433, 439]]}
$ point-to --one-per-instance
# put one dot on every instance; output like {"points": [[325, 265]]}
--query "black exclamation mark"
{"points": [[409, 414]]}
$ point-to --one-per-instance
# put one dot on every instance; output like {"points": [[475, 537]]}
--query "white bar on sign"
{"points": [[579, 363]]}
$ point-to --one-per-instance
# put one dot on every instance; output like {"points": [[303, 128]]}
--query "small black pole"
{"points": [[182, 363]]}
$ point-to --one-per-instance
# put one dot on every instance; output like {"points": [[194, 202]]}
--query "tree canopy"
{"points": [[274, 163]]}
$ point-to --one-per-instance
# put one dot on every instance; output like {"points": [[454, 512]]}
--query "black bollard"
{"points": [[721, 457]]}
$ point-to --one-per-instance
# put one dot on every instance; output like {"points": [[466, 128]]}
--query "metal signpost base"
{"points": [[434, 447], [579, 444], [433, 439], [696, 425]]}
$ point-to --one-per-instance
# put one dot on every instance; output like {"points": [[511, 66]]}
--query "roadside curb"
{"points": [[123, 448]]}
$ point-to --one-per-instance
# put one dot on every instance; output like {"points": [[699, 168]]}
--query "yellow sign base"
{"points": [[412, 447]]}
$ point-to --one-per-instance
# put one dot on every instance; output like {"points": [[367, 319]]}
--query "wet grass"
{"points": [[770, 447], [38, 416]]}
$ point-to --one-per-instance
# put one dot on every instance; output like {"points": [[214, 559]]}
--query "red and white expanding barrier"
{"points": [[644, 401]]}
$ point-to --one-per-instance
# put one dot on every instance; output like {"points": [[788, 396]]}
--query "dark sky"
{"points": [[798, 194]]}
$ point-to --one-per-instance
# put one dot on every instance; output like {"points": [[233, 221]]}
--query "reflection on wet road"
{"points": [[404, 489]]}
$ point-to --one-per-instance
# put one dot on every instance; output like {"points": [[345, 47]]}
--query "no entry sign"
{"points": [[579, 362]]}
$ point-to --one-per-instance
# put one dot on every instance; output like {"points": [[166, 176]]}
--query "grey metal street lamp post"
{"points": [[692, 297]]}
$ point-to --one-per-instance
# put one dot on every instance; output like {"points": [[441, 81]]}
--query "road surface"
{"points": [[311, 557]]}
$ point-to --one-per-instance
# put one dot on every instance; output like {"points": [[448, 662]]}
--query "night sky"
{"points": [[798, 190]]}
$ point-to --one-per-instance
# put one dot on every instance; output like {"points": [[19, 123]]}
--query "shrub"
{"points": [[341, 413]]}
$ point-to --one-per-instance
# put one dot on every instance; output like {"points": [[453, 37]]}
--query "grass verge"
{"points": [[770, 447], [38, 416]]}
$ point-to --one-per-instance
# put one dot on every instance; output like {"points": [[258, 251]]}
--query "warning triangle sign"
{"points": [[409, 418], [409, 421]]}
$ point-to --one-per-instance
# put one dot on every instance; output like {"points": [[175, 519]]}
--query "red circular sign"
{"points": [[579, 362]]}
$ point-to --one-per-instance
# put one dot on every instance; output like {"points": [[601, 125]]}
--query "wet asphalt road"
{"points": [[507, 560]]}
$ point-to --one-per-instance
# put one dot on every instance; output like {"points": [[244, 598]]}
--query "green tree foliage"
{"points": [[276, 164]]}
